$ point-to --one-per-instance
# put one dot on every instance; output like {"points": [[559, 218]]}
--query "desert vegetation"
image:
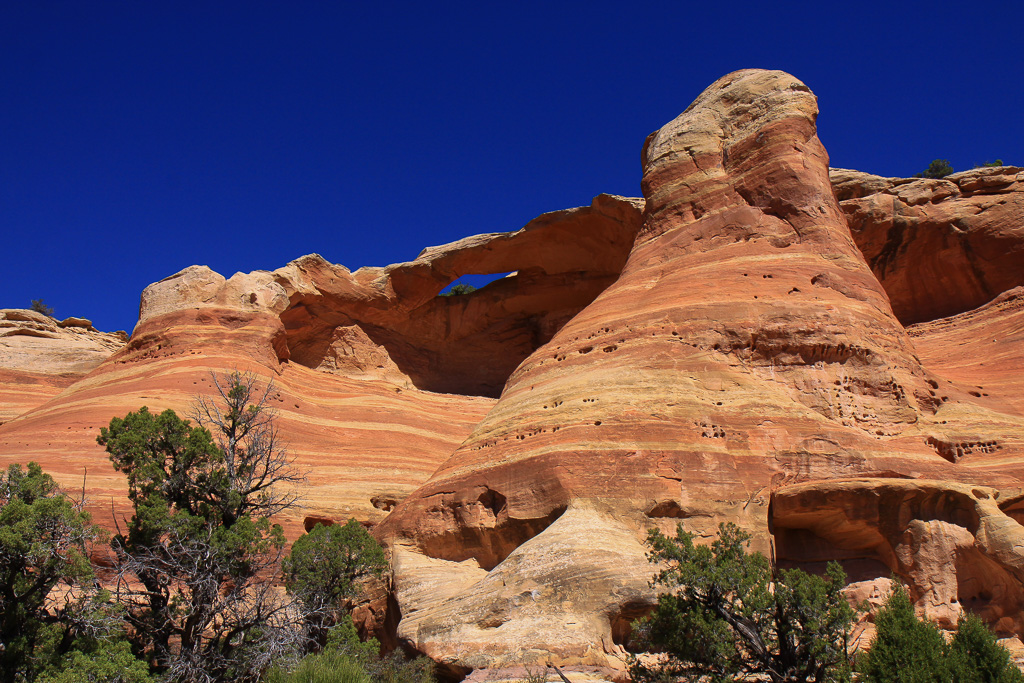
{"points": [[195, 594], [728, 614], [939, 168], [459, 290], [200, 590], [39, 306]]}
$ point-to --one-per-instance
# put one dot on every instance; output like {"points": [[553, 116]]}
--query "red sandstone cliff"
{"points": [[938, 246], [726, 348], [746, 356], [359, 359]]}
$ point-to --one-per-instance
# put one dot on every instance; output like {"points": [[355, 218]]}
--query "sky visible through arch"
{"points": [[140, 137]]}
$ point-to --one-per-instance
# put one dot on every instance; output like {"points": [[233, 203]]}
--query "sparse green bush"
{"points": [[905, 649], [329, 666], [104, 662], [729, 615], [909, 650], [939, 168], [990, 164], [347, 660], [40, 307], [49, 602], [975, 655], [324, 570], [459, 290]]}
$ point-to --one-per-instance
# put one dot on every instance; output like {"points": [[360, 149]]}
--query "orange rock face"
{"points": [[982, 350], [40, 357], [939, 247], [746, 348], [358, 359], [722, 350]]}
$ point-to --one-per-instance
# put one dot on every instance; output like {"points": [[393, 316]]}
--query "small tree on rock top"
{"points": [[40, 307], [939, 168]]}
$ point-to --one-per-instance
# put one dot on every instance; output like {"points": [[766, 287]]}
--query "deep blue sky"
{"points": [[142, 137]]}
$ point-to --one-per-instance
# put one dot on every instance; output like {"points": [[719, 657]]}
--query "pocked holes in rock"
{"points": [[385, 503]]}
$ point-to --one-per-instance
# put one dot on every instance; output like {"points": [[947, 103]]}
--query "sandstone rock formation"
{"points": [[938, 246], [39, 357], [745, 349], [725, 349], [983, 350], [357, 358], [953, 542]]}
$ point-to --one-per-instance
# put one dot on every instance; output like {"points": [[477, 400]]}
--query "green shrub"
{"points": [[991, 164], [905, 649], [329, 666], [44, 551], [974, 655], [105, 662], [39, 307], [939, 168], [908, 650], [728, 615], [324, 571], [347, 660], [459, 290]]}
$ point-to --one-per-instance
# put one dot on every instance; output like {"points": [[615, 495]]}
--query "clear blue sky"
{"points": [[141, 137]]}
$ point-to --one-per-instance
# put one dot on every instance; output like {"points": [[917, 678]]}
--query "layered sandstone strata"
{"points": [[938, 246], [41, 356], [359, 359], [982, 350], [722, 350], [746, 348]]}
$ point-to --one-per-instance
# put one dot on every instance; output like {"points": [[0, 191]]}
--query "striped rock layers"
{"points": [[745, 349], [939, 246], [358, 359], [40, 357]]}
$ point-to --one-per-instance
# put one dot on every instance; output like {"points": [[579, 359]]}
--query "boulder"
{"points": [[75, 322]]}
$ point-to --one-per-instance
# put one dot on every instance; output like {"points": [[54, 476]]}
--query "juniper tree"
{"points": [[727, 615], [324, 571], [196, 561], [49, 600]]}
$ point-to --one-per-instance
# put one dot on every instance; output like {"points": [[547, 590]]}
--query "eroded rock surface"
{"points": [[40, 357], [953, 543], [939, 246], [746, 347], [359, 360], [982, 350]]}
